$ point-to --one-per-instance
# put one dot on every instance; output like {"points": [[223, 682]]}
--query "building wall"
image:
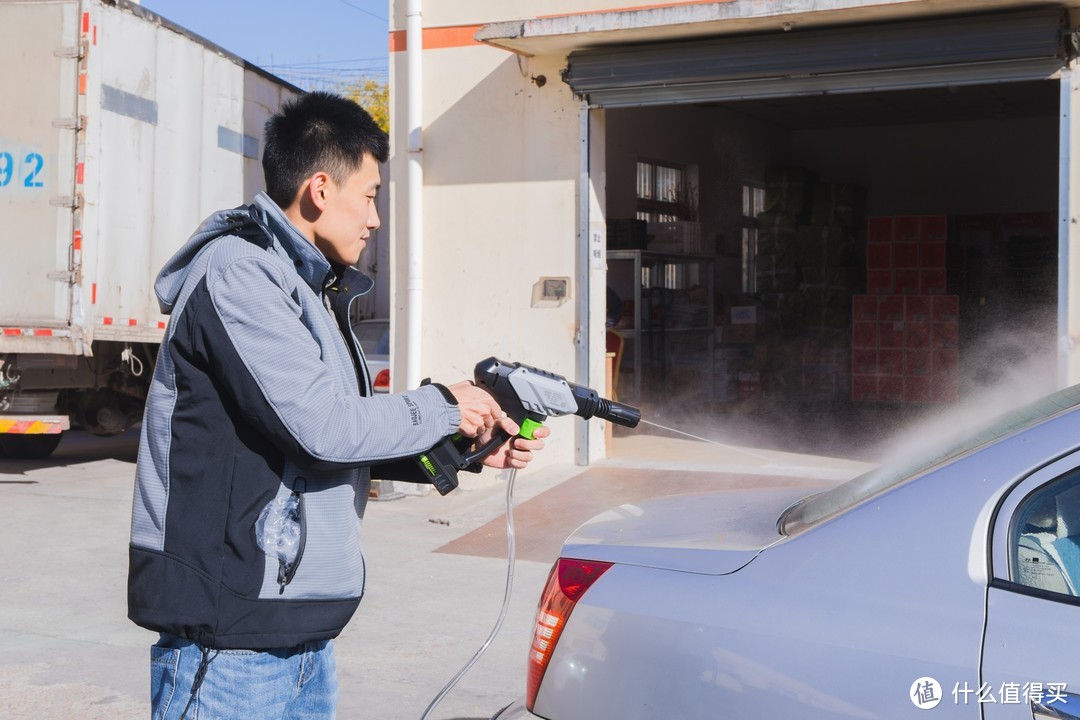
{"points": [[501, 168], [479, 12]]}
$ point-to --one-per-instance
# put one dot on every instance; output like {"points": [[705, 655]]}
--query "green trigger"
{"points": [[528, 427]]}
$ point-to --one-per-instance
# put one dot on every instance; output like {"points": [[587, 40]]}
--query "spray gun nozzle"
{"points": [[618, 413]]}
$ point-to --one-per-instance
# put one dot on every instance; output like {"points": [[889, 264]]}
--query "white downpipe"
{"points": [[414, 48]]}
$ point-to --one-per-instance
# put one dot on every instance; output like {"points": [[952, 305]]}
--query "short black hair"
{"points": [[318, 131]]}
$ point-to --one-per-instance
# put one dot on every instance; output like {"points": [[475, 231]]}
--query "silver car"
{"points": [[374, 338], [949, 586]]}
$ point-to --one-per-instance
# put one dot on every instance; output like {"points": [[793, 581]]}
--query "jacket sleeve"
{"points": [[265, 356]]}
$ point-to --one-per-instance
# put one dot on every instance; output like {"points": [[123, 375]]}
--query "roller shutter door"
{"points": [[977, 49]]}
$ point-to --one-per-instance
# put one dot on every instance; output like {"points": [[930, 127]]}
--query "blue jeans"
{"points": [[288, 683]]}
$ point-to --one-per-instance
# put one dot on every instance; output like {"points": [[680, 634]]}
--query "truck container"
{"points": [[119, 132]]}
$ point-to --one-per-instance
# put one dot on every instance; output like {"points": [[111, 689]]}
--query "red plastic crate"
{"points": [[946, 361], [891, 388], [864, 388], [890, 361], [904, 255], [918, 308], [944, 335], [946, 308], [918, 390], [917, 335], [891, 307], [906, 282], [933, 228], [879, 282], [918, 363], [864, 335], [932, 282], [890, 334], [906, 229]]}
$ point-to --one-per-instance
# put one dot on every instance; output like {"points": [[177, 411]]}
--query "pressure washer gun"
{"points": [[528, 396]]}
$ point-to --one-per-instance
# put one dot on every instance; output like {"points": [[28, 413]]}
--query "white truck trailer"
{"points": [[119, 133]]}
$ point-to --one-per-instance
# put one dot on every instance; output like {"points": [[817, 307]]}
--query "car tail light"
{"points": [[382, 380], [568, 581]]}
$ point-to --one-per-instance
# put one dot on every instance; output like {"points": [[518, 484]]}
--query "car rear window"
{"points": [[374, 337], [835, 501]]}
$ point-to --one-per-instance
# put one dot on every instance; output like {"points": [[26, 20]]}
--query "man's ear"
{"points": [[318, 187]]}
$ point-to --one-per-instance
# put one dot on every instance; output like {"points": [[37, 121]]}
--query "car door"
{"points": [[1030, 662]]}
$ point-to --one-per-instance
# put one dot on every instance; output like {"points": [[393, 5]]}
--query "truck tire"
{"points": [[29, 447]]}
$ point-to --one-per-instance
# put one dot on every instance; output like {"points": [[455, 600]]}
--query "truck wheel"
{"points": [[29, 447]]}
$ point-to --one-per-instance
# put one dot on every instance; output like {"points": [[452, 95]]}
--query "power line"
{"points": [[366, 12], [316, 63]]}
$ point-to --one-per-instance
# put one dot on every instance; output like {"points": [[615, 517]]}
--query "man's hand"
{"points": [[517, 452], [478, 409]]}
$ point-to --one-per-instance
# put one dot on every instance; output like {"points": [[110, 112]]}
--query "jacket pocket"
{"points": [[281, 532], [287, 570]]}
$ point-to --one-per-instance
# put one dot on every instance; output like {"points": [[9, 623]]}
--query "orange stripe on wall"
{"points": [[438, 38], [463, 35]]}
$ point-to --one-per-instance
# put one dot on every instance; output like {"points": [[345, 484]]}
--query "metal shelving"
{"points": [[672, 324]]}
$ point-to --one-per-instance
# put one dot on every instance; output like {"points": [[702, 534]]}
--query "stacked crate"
{"points": [[806, 263], [905, 330]]}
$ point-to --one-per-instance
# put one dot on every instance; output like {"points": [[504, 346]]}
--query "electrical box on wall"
{"points": [[550, 292]]}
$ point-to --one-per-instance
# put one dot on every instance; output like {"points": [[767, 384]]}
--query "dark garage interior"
{"points": [[833, 266]]}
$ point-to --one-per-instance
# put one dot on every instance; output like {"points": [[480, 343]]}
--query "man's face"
{"points": [[349, 215]]}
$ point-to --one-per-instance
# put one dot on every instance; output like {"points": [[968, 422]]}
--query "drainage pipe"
{"points": [[414, 48]]}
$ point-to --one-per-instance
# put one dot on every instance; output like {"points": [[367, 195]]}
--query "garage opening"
{"points": [[832, 264]]}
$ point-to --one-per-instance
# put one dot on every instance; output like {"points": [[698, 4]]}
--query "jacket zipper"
{"points": [[286, 572]]}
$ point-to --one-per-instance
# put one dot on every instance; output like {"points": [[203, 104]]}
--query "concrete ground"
{"points": [[436, 569]]}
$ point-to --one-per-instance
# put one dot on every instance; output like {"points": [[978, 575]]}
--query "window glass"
{"points": [[664, 193], [753, 204], [1044, 538], [374, 336]]}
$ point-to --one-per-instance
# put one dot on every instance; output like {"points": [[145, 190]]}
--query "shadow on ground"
{"points": [[77, 447]]}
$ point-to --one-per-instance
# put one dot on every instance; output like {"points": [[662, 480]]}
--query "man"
{"points": [[261, 428]]}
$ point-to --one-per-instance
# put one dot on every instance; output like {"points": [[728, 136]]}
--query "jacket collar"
{"points": [[310, 263]]}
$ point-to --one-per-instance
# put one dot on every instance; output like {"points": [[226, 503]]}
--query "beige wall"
{"points": [[501, 168], [440, 13]]}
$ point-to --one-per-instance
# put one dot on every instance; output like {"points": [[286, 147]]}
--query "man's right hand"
{"points": [[479, 411]]}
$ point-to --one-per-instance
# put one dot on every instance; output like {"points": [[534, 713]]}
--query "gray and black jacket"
{"points": [[260, 391]]}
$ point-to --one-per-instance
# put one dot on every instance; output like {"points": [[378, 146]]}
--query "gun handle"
{"points": [[497, 439]]}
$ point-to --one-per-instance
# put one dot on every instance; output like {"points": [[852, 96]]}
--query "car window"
{"points": [[1044, 538], [374, 336], [832, 502]]}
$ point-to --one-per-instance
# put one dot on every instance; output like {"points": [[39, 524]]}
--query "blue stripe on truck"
{"points": [[124, 103], [237, 142]]}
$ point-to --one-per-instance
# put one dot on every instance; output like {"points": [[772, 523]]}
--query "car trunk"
{"points": [[715, 533]]}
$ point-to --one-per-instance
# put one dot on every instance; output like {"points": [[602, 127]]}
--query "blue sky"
{"points": [[312, 43]]}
